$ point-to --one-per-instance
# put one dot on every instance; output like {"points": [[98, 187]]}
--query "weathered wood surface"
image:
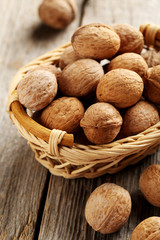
{"points": [[25, 212], [23, 182]]}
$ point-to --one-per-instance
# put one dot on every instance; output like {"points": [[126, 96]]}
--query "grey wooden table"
{"points": [[34, 204]]}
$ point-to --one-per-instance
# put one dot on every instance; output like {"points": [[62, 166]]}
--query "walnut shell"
{"points": [[149, 229], [51, 68], [101, 123], [64, 113], [152, 57], [149, 184], [120, 87], [67, 57], [131, 61], [57, 14], [96, 41], [80, 78], [138, 118], [152, 84], [131, 38], [37, 89], [108, 208]]}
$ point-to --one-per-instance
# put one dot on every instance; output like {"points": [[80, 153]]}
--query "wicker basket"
{"points": [[56, 149]]}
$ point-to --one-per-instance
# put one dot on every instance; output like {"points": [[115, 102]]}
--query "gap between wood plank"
{"points": [[41, 207], [82, 11]]}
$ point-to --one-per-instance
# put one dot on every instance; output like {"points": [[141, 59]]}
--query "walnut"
{"points": [[152, 57], [67, 57], [131, 38], [51, 68], [64, 113], [57, 13], [80, 78], [37, 89], [101, 123], [148, 229], [149, 184], [108, 208], [131, 61], [120, 87], [152, 84], [96, 41], [138, 118]]}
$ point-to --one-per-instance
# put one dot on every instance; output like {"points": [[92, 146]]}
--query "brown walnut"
{"points": [[149, 229], [57, 13], [108, 208], [64, 114], [96, 41], [152, 57], [131, 61], [37, 89], [138, 118], [67, 57], [131, 38], [80, 78], [101, 123], [152, 84], [149, 184], [120, 87]]}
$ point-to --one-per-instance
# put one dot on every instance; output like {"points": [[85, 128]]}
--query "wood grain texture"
{"points": [[63, 216], [22, 179]]}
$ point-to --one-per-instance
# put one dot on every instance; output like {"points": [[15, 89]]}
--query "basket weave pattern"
{"points": [[81, 160]]}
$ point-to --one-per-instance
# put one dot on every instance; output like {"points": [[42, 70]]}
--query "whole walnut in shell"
{"points": [[80, 78], [64, 114], [120, 87], [108, 208], [149, 184], [149, 229], [138, 118], [57, 13], [96, 41], [131, 61], [131, 38], [37, 89], [67, 57], [152, 57], [51, 68], [152, 84], [101, 123]]}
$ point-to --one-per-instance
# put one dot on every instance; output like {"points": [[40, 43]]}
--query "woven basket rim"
{"points": [[117, 154], [127, 140]]}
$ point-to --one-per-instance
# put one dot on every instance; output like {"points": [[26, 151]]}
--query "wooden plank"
{"points": [[22, 180], [63, 216]]}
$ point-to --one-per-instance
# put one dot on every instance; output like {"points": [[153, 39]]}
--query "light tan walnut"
{"points": [[51, 68], [80, 78], [96, 41], [152, 57], [138, 118], [120, 87], [131, 61], [152, 84], [108, 208], [37, 89], [149, 229], [64, 114], [57, 13], [101, 123], [67, 57], [149, 184], [131, 38]]}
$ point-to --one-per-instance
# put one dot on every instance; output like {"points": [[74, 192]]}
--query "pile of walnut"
{"points": [[105, 101]]}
